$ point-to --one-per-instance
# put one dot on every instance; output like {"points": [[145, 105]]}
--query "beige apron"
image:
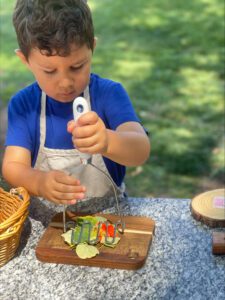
{"points": [[97, 184]]}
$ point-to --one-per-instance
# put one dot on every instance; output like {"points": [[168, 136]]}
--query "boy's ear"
{"points": [[21, 56], [95, 42]]}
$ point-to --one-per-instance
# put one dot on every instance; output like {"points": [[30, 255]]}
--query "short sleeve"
{"points": [[18, 120], [118, 108]]}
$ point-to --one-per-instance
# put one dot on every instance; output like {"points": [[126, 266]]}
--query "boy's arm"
{"points": [[129, 145], [55, 186]]}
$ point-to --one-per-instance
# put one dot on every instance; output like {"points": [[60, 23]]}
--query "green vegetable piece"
{"points": [[67, 236], [86, 251], [92, 220], [81, 234], [109, 241], [75, 238], [71, 236]]}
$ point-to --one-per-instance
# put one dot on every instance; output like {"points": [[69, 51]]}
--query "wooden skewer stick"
{"points": [[137, 231]]}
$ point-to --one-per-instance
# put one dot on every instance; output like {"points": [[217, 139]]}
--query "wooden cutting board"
{"points": [[130, 253]]}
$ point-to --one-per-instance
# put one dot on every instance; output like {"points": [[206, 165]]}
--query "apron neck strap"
{"points": [[43, 120]]}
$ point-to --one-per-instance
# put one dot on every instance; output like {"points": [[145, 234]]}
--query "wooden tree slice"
{"points": [[209, 208]]}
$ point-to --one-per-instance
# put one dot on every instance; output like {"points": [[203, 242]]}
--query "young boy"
{"points": [[43, 143]]}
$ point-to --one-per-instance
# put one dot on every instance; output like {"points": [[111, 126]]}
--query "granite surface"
{"points": [[180, 264]]}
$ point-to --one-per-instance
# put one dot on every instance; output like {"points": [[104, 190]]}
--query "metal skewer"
{"points": [[64, 218]]}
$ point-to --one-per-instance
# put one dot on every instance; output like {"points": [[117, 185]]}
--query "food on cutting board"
{"points": [[90, 234]]}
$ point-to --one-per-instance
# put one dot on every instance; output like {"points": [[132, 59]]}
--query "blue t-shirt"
{"points": [[108, 99]]}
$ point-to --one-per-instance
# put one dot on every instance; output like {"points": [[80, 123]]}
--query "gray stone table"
{"points": [[180, 264]]}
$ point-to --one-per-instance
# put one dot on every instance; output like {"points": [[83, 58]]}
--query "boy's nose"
{"points": [[66, 83]]}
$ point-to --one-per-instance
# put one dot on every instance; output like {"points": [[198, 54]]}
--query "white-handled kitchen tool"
{"points": [[80, 107]]}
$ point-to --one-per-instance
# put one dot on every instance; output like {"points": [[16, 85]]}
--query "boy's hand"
{"points": [[60, 188], [89, 134]]}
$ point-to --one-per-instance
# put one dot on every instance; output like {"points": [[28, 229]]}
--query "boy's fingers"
{"points": [[63, 178], [70, 126], [87, 118], [68, 189], [85, 143], [68, 197], [84, 131]]}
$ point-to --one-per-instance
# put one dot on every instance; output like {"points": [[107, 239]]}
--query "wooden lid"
{"points": [[209, 208]]}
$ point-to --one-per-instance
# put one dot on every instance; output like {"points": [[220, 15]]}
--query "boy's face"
{"points": [[61, 78]]}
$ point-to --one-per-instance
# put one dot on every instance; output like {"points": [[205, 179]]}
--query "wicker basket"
{"points": [[13, 212]]}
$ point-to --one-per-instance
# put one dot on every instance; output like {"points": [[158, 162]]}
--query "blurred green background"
{"points": [[169, 55]]}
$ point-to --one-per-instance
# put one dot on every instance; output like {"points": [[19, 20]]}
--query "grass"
{"points": [[169, 57]]}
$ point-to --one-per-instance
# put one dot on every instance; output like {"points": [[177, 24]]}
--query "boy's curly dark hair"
{"points": [[53, 25]]}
